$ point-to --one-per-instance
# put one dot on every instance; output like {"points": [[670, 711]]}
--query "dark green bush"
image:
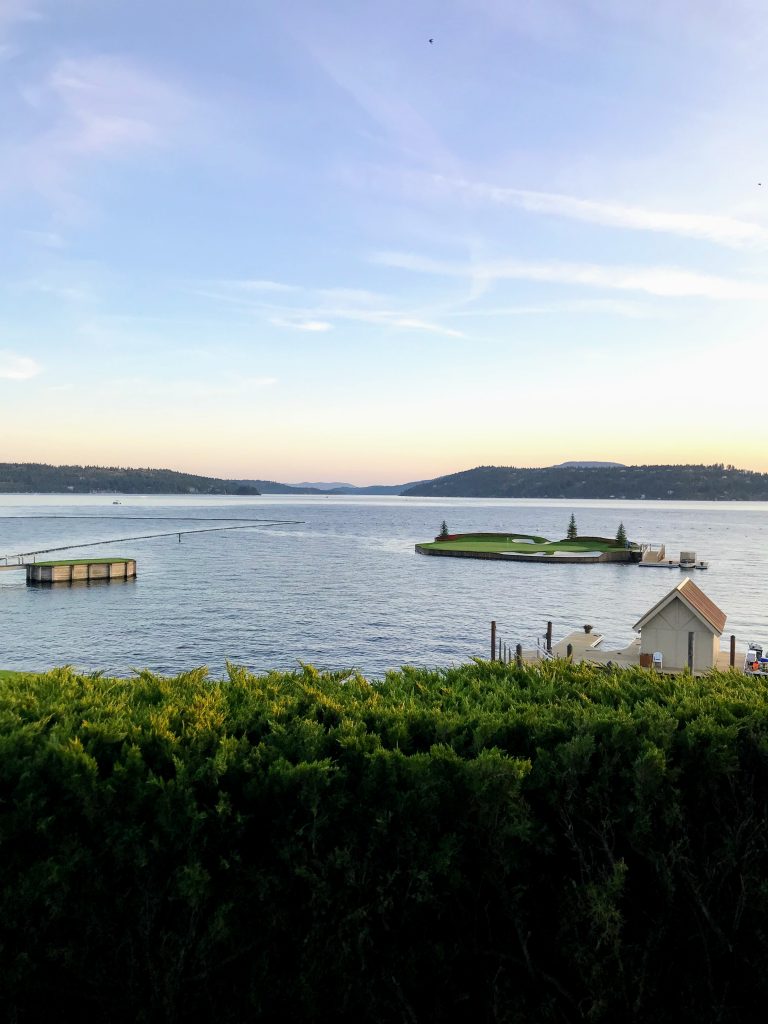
{"points": [[486, 843]]}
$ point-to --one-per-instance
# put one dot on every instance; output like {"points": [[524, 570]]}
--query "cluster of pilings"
{"points": [[501, 651]]}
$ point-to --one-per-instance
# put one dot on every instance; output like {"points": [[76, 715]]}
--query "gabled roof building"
{"points": [[685, 621]]}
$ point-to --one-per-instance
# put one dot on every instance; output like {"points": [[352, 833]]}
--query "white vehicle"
{"points": [[755, 664]]}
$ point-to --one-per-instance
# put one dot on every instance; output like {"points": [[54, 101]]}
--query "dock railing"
{"points": [[506, 653], [542, 652], [653, 552]]}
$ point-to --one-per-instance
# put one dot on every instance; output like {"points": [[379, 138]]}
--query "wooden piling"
{"points": [[549, 637], [569, 652], [733, 651], [519, 655], [493, 640]]}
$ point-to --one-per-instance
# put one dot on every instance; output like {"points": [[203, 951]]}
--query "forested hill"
{"points": [[673, 483], [33, 477], [703, 483]]}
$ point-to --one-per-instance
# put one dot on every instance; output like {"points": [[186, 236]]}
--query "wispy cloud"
{"points": [[725, 24], [302, 325], [424, 325], [727, 231], [350, 296], [74, 293], [75, 282], [16, 367], [669, 282], [260, 286], [85, 110], [375, 86], [614, 307], [317, 309], [13, 13], [109, 105]]}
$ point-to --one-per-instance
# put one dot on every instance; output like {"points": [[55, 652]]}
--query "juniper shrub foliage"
{"points": [[555, 843]]}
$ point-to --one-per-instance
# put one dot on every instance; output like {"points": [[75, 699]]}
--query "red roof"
{"points": [[696, 600]]}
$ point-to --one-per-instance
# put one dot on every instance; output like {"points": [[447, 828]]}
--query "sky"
{"points": [[382, 242]]}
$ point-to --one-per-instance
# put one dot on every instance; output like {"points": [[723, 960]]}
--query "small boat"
{"points": [[688, 561], [117, 503], [755, 664]]}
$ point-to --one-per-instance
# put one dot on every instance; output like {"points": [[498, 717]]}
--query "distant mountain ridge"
{"points": [[379, 488], [684, 482], [322, 486], [42, 478], [568, 480]]}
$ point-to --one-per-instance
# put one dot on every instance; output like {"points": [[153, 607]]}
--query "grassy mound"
{"points": [[108, 559], [519, 543]]}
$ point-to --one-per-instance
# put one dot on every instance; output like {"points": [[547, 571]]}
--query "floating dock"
{"points": [[73, 570], [654, 556]]}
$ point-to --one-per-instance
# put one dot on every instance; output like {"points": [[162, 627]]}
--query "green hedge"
{"points": [[485, 844]]}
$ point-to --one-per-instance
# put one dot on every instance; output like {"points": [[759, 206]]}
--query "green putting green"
{"points": [[84, 561], [519, 543]]}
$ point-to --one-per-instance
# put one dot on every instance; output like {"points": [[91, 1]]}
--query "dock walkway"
{"points": [[587, 647]]}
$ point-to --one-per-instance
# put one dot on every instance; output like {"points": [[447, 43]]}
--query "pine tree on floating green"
{"points": [[444, 529], [572, 531], [621, 535]]}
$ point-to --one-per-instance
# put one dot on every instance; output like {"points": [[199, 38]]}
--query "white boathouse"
{"points": [[684, 627]]}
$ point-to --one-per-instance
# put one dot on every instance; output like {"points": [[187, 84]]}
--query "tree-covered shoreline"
{"points": [[669, 483], [556, 843], [38, 478]]}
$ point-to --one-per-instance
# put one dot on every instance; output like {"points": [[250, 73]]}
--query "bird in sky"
{"points": [[431, 41]]}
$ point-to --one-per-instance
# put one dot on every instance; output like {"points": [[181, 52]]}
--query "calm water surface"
{"points": [[345, 588]]}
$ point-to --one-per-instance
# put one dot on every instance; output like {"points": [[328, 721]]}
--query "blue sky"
{"points": [[298, 241]]}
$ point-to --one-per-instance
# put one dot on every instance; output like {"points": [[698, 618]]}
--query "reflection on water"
{"points": [[346, 588], [94, 582]]}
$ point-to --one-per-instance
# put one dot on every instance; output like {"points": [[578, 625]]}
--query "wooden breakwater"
{"points": [[81, 570]]}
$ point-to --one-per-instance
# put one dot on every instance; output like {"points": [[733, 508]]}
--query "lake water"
{"points": [[345, 587]]}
